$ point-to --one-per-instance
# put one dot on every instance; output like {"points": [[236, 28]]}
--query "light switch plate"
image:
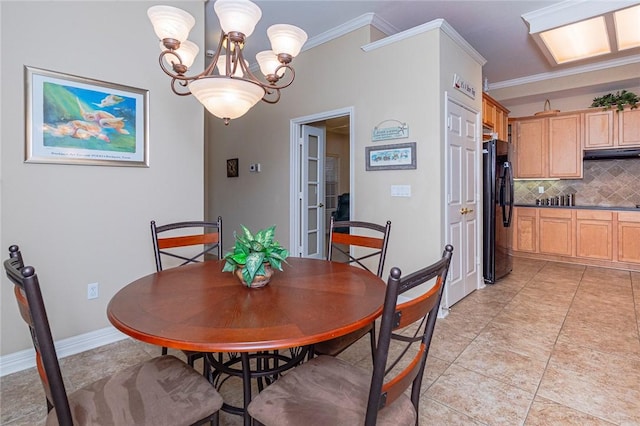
{"points": [[401, 190]]}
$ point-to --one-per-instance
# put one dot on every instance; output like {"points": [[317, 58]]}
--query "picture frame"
{"points": [[232, 167], [77, 120], [400, 156]]}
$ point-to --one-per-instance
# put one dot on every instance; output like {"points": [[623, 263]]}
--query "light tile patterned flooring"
{"points": [[551, 344]]}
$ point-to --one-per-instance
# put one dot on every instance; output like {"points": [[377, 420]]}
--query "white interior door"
{"points": [[463, 208], [312, 192]]}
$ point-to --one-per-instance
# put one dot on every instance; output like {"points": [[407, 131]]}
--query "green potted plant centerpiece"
{"points": [[255, 256]]}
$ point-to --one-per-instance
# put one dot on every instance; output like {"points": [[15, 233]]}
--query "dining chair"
{"points": [[170, 239], [162, 390], [372, 240], [169, 242], [330, 391]]}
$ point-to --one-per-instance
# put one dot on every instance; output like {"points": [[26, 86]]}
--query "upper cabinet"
{"points": [[495, 117], [628, 131], [548, 147], [531, 148], [612, 129], [565, 146]]}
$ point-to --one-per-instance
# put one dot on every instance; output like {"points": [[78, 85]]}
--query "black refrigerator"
{"points": [[497, 210]]}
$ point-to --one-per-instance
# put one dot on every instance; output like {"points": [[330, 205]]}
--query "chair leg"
{"points": [[372, 338]]}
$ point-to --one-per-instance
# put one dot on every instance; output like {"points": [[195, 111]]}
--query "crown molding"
{"points": [[431, 25], [349, 26], [565, 73]]}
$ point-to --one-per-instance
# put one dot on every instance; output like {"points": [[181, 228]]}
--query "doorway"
{"points": [[321, 174]]}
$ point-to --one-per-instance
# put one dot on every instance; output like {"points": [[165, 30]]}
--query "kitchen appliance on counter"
{"points": [[497, 210]]}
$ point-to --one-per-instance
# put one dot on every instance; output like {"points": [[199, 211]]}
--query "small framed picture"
{"points": [[399, 156], [232, 167], [78, 120]]}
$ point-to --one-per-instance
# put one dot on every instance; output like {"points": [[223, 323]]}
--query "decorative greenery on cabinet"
{"points": [[619, 99]]}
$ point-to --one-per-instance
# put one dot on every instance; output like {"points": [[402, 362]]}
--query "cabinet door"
{"points": [[629, 237], [629, 127], [594, 234], [556, 232], [526, 226], [488, 113], [598, 129], [565, 146], [531, 149]]}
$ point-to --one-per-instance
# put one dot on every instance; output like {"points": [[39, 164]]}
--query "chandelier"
{"points": [[227, 88]]}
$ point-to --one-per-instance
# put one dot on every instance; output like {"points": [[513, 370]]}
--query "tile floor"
{"points": [[551, 344]]}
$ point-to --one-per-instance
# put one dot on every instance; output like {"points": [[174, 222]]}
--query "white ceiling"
{"points": [[494, 28]]}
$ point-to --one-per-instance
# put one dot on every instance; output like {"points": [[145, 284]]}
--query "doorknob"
{"points": [[465, 210], [320, 205]]}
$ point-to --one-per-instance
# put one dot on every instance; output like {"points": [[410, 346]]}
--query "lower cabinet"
{"points": [[556, 231], [594, 234], [594, 237], [629, 237], [525, 236]]}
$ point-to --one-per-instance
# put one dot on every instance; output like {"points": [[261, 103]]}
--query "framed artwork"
{"points": [[399, 156], [77, 120], [232, 167]]}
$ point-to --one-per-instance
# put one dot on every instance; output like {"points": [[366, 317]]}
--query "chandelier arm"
{"points": [[271, 96], [181, 92]]}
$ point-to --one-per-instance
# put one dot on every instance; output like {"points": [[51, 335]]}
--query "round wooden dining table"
{"points": [[197, 307]]}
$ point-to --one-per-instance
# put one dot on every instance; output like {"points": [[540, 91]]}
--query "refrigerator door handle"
{"points": [[508, 203]]}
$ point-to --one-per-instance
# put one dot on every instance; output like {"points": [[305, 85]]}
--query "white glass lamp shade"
{"points": [[221, 64], [171, 22], [226, 98], [237, 15], [286, 39], [188, 51], [268, 62]]}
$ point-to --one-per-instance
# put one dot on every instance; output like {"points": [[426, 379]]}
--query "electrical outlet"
{"points": [[92, 291]]}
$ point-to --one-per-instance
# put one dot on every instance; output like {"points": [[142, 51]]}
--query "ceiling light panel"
{"points": [[628, 27], [577, 41]]}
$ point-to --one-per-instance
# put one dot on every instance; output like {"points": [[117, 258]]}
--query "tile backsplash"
{"points": [[606, 183]]}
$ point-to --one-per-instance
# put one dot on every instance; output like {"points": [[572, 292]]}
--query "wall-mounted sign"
{"points": [[464, 86], [400, 131]]}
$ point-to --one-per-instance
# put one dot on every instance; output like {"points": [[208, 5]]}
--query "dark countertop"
{"points": [[628, 209]]}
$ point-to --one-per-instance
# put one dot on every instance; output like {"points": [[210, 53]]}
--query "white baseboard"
{"points": [[25, 359]]}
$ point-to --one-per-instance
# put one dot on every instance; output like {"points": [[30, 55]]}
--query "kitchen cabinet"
{"points": [[628, 127], [549, 147], [565, 146], [611, 128], [525, 236], [531, 154], [598, 129], [594, 234], [495, 117], [606, 238], [556, 231], [629, 237]]}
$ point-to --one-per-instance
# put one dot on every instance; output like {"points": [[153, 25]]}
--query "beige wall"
{"points": [[378, 90], [83, 224]]}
